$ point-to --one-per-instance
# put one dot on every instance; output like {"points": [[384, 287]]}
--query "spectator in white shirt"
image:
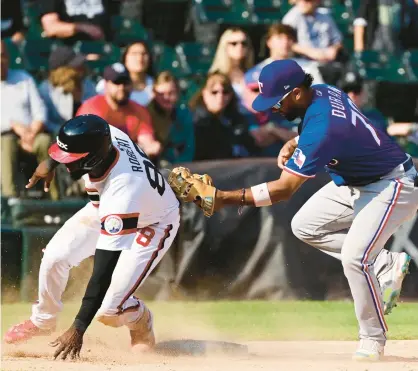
{"points": [[318, 36], [23, 115]]}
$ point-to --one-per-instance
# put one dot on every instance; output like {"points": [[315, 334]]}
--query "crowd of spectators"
{"points": [[218, 121]]}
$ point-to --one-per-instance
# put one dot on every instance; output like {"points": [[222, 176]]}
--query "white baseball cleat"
{"points": [[391, 281], [369, 351]]}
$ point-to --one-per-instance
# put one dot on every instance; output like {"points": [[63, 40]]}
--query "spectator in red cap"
{"points": [[120, 111]]}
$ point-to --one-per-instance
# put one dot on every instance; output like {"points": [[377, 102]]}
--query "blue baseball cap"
{"points": [[277, 79]]}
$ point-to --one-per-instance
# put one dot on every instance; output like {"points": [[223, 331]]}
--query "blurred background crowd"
{"points": [[179, 76]]}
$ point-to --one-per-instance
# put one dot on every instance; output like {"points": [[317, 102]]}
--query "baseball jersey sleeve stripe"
{"points": [[298, 174], [129, 224]]}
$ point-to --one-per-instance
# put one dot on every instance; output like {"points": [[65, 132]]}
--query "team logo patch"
{"points": [[113, 224], [298, 158]]}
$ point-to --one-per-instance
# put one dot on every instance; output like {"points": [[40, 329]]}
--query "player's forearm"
{"points": [[57, 28], [104, 264], [260, 195], [359, 38]]}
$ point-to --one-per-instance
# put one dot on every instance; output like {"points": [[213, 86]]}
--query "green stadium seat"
{"points": [[410, 58], [343, 18], [107, 51], [195, 58], [374, 65], [169, 61], [32, 20], [222, 11], [266, 11], [36, 53], [188, 88], [126, 31], [15, 57]]}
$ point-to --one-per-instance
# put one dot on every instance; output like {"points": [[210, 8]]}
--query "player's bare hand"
{"points": [[286, 153], [46, 171], [69, 343]]}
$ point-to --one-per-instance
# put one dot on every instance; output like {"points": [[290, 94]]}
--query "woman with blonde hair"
{"points": [[234, 56], [220, 130]]}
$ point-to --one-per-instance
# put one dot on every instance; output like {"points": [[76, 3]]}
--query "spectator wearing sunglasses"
{"points": [[220, 130], [172, 122], [234, 56]]}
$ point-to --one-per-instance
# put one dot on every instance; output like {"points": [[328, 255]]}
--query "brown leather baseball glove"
{"points": [[194, 188]]}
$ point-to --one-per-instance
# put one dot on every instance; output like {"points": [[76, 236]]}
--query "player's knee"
{"points": [[299, 229], [350, 262], [52, 261]]}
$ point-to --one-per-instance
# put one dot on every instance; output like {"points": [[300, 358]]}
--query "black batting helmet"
{"points": [[84, 139]]}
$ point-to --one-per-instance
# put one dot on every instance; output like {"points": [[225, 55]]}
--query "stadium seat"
{"points": [[410, 58], [15, 57], [343, 18], [188, 88], [169, 61], [374, 65], [266, 11], [36, 53], [222, 11], [32, 20], [195, 58], [107, 51], [126, 31]]}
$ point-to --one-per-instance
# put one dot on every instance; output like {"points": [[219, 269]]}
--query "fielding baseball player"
{"points": [[130, 223], [374, 189]]}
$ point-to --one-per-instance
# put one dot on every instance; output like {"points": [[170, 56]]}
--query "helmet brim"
{"points": [[57, 154]]}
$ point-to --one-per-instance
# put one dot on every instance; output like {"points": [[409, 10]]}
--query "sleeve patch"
{"points": [[299, 158], [119, 224]]}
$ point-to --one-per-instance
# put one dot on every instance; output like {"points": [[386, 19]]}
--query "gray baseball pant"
{"points": [[353, 224]]}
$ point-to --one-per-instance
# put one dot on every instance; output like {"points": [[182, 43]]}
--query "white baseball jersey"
{"points": [[132, 194]]}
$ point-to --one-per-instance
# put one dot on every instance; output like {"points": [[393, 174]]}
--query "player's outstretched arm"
{"points": [[46, 171], [71, 342], [191, 188]]}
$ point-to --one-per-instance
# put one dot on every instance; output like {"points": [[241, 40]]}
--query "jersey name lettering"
{"points": [[124, 146], [336, 103]]}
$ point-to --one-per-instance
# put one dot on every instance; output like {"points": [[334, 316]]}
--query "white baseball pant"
{"points": [[75, 241], [353, 224]]}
